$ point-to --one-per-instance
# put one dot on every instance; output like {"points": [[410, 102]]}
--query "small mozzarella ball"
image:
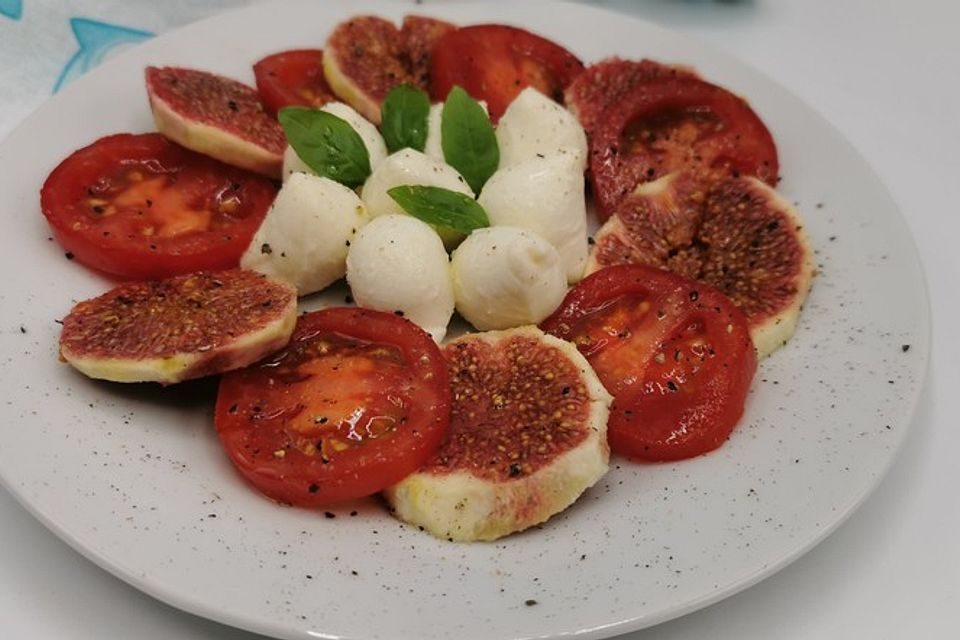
{"points": [[410, 167], [372, 140], [506, 277], [534, 125], [433, 147], [398, 263], [305, 235], [544, 195], [293, 164]]}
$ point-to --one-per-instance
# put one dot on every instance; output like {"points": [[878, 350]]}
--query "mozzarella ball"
{"points": [[293, 164], [506, 277], [410, 167], [434, 147], [534, 125], [398, 264], [546, 196], [305, 235], [372, 140]]}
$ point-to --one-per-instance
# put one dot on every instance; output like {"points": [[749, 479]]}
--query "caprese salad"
{"points": [[439, 169]]}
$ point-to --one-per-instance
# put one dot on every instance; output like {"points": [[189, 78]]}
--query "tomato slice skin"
{"points": [[495, 62], [357, 401], [675, 354], [138, 206], [292, 78], [671, 124]]}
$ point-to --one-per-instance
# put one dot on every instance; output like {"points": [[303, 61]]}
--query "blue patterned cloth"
{"points": [[44, 44]]}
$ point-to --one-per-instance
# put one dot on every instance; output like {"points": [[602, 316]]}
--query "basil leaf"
{"points": [[327, 144], [467, 137], [441, 207], [403, 121]]}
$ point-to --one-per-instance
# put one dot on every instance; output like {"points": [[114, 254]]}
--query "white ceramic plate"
{"points": [[134, 478]]}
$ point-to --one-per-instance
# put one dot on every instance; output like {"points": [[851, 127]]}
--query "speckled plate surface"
{"points": [[134, 479]]}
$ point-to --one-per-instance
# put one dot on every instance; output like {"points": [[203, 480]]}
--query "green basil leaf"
{"points": [[403, 121], [327, 144], [467, 137], [441, 207]]}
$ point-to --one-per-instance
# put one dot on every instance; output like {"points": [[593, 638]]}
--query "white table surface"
{"points": [[887, 74]]}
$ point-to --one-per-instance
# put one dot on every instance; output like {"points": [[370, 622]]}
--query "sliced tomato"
{"points": [[671, 124], [357, 401], [292, 78], [675, 354], [495, 62], [605, 82], [140, 206]]}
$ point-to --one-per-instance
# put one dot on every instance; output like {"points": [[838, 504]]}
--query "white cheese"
{"points": [[506, 277], [410, 167], [398, 264], [534, 125], [305, 235], [544, 195]]}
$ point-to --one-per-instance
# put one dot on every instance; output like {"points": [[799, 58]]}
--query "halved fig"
{"points": [[367, 56], [216, 116], [603, 83], [527, 437], [180, 328], [737, 235], [420, 35]]}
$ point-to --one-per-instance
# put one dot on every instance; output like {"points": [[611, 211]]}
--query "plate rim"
{"points": [[178, 600]]}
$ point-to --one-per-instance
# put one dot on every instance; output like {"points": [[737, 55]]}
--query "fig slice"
{"points": [[366, 56], [527, 437], [179, 328], [604, 83], [216, 116], [738, 235], [420, 35]]}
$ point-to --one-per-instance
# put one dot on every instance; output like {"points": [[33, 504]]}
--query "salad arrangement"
{"points": [[698, 269]]}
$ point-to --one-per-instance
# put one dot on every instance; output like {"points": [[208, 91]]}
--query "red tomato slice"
{"points": [[495, 62], [292, 78], [673, 124], [675, 354], [357, 401], [140, 206]]}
